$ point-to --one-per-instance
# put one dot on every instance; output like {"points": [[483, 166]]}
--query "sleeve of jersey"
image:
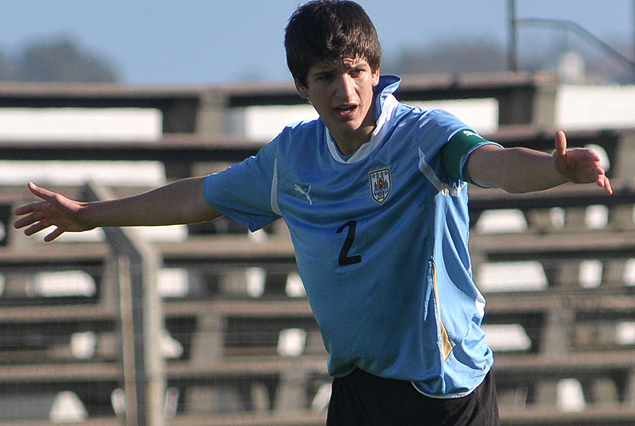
{"points": [[243, 192], [455, 153], [444, 133]]}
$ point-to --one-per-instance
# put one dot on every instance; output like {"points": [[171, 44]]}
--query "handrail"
{"points": [[140, 314]]}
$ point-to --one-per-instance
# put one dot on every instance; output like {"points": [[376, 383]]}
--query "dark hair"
{"points": [[321, 31]]}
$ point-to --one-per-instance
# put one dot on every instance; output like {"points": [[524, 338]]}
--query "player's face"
{"points": [[342, 93]]}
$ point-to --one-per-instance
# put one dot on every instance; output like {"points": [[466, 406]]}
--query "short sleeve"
{"points": [[243, 192], [455, 153]]}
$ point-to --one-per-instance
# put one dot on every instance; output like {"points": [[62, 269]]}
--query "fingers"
{"points": [[31, 207], [23, 221], [33, 223], [561, 143], [33, 187], [44, 194], [53, 235], [30, 210], [600, 174], [34, 217], [604, 182], [25, 209], [31, 213], [580, 165]]}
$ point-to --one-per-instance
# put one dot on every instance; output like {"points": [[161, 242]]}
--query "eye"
{"points": [[327, 76], [356, 72]]}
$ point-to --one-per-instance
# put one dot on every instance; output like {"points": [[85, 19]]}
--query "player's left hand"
{"points": [[580, 165]]}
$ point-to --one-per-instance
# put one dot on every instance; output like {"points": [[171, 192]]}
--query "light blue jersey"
{"points": [[381, 242]]}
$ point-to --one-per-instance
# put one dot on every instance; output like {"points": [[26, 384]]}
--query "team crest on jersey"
{"points": [[380, 184]]}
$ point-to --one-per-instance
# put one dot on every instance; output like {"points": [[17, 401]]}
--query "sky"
{"points": [[193, 42]]}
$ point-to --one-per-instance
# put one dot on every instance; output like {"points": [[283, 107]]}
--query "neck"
{"points": [[349, 144]]}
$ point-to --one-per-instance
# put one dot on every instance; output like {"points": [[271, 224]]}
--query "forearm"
{"points": [[180, 202], [526, 170], [515, 170]]}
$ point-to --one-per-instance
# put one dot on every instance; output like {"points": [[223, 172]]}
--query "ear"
{"points": [[375, 77], [302, 91]]}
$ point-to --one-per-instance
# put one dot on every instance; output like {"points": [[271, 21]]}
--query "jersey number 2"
{"points": [[344, 258]]}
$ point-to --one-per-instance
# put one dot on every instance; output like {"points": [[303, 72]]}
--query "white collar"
{"points": [[388, 109]]}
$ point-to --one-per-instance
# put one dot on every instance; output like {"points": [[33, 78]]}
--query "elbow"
{"points": [[515, 189], [507, 185]]}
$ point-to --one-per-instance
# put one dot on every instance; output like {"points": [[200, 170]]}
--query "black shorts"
{"points": [[361, 399]]}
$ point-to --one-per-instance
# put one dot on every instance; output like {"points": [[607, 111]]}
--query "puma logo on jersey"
{"points": [[303, 192]]}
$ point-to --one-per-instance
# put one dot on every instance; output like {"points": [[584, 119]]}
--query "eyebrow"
{"points": [[324, 72], [333, 69]]}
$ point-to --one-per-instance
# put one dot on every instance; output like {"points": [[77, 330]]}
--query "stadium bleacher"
{"points": [[235, 342]]}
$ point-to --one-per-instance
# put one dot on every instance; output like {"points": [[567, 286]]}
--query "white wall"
{"points": [[81, 124], [262, 123], [593, 107]]}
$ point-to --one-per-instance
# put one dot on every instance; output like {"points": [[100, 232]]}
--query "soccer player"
{"points": [[374, 193]]}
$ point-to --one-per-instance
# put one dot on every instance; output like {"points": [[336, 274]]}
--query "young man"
{"points": [[375, 196]]}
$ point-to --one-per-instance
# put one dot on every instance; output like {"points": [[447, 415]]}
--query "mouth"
{"points": [[346, 111]]}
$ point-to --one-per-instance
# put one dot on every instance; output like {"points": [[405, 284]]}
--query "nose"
{"points": [[345, 86]]}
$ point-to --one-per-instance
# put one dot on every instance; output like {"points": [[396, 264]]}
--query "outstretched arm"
{"points": [[180, 202], [520, 170]]}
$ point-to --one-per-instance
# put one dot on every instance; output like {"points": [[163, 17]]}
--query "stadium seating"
{"points": [[237, 338]]}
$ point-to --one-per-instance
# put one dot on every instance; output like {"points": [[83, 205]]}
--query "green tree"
{"points": [[62, 60], [6, 68], [450, 57]]}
